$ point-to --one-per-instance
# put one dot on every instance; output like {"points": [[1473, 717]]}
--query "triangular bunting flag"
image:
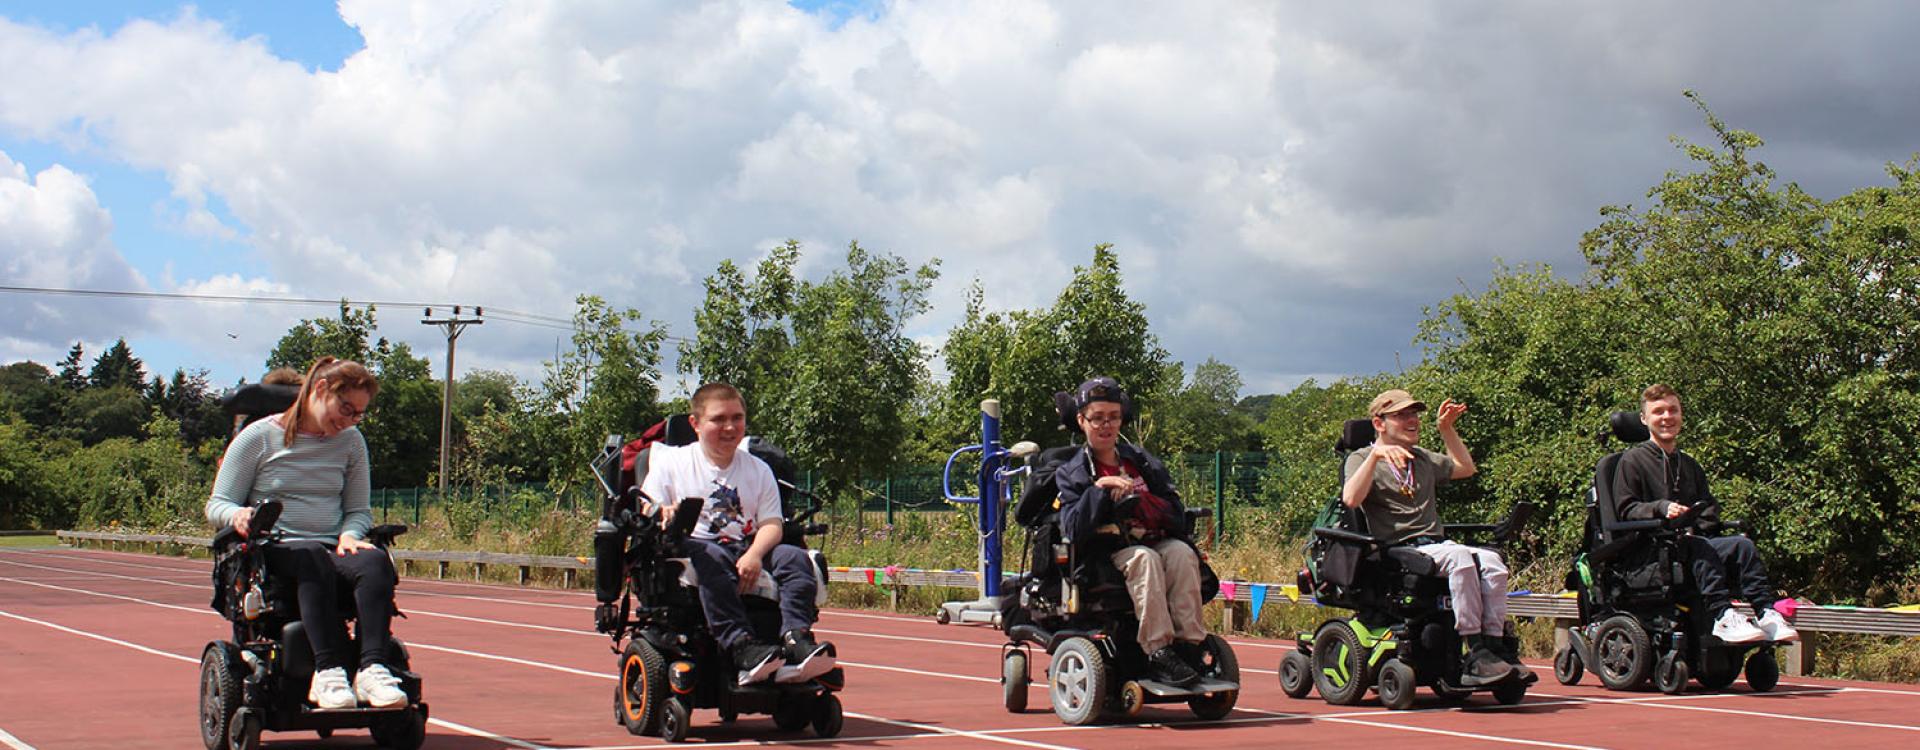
{"points": [[1226, 591], [1259, 600]]}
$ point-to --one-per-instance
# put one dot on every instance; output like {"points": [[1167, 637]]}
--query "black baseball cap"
{"points": [[1098, 389]]}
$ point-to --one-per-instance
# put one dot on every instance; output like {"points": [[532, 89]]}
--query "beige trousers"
{"points": [[1164, 582]]}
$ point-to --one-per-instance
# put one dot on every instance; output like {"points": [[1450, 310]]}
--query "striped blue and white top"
{"points": [[321, 481]]}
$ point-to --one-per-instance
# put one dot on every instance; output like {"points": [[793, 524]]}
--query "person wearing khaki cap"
{"points": [[1393, 483]]}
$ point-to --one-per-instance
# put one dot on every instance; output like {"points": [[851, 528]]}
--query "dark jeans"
{"points": [[720, 587], [1723, 562], [320, 576]]}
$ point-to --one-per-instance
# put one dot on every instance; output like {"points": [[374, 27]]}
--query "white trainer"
{"points": [[378, 688], [330, 690], [1776, 627], [1733, 627]]}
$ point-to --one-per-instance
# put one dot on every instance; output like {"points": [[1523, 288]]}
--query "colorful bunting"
{"points": [[1259, 599]]}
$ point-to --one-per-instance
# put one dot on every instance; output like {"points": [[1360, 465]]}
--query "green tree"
{"points": [[71, 378], [607, 384], [742, 331], [403, 427], [99, 414], [1204, 415], [117, 368], [29, 390], [26, 497]]}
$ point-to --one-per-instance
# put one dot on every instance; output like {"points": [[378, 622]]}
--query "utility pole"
{"points": [[453, 325]]}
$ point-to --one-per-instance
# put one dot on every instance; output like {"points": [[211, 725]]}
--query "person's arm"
{"points": [[1463, 465], [1082, 503], [1360, 476], [1631, 480], [657, 487], [356, 497], [770, 526], [232, 486]]}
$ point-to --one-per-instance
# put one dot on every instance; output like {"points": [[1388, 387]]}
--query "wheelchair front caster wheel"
{"points": [[827, 716], [675, 719]]}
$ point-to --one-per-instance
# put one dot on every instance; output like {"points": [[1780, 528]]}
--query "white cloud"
{"points": [[54, 234], [1272, 172]]}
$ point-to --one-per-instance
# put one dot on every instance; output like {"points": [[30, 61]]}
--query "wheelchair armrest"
{"points": [[1345, 536], [383, 535], [1735, 526], [225, 538], [1195, 513], [1646, 525]]}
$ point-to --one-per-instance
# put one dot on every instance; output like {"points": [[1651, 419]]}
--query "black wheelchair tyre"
{"points": [[1510, 692], [828, 717], [642, 688], [1014, 681], [1719, 668], [1567, 667], [1220, 664], [1340, 670], [1763, 671], [791, 713], [1623, 652], [220, 672], [407, 731], [1296, 674], [1397, 685], [675, 719], [243, 733], [1081, 682], [1671, 674]]}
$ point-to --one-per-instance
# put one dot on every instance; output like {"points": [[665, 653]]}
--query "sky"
{"points": [[1289, 185]]}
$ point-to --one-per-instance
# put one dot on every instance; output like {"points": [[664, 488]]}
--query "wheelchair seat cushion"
{"points": [[1409, 559]]}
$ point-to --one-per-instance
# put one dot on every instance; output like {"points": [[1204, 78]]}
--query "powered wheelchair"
{"points": [[1640, 615], [1073, 603], [258, 680], [670, 663], [1401, 634]]}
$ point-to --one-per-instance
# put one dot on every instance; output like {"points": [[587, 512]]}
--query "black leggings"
{"points": [[321, 576]]}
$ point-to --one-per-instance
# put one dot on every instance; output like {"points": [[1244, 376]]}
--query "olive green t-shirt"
{"points": [[1394, 516]]}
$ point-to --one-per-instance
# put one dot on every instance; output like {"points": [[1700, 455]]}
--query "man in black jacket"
{"points": [[1655, 480], [1114, 495]]}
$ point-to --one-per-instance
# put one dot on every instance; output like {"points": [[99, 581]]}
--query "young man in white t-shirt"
{"points": [[738, 537]]}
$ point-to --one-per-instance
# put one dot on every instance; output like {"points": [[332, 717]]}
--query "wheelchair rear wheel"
{"points": [[1624, 653], [1082, 681], [1340, 670]]}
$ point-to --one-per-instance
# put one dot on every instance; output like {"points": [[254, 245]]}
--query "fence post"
{"points": [[416, 506], [889, 498], [1219, 499]]}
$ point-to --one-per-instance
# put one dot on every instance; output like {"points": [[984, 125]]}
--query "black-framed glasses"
{"points": [[347, 410]]}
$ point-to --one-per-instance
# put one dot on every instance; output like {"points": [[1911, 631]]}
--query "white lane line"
{"points": [[461, 728], [1742, 712], [13, 742]]}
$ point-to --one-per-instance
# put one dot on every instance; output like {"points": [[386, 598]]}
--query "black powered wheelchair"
{"points": [[1640, 616], [259, 679], [1401, 634], [1073, 602], [670, 662]]}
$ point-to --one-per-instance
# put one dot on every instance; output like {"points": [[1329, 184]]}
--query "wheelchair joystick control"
{"points": [[253, 604]]}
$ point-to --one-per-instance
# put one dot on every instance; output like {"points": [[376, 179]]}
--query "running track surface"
{"points": [[101, 650]]}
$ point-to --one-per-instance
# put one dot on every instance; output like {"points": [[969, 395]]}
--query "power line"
{"points": [[512, 316]]}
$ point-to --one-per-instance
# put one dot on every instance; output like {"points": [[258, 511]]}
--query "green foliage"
{"points": [[153, 483], [1203, 414], [117, 368], [26, 496], [98, 414], [605, 385], [29, 390], [1023, 357], [403, 426], [826, 367]]}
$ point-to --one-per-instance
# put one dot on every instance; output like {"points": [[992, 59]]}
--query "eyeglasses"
{"points": [[1403, 414], [1101, 421], [347, 410]]}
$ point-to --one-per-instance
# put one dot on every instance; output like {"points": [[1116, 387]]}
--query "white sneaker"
{"points": [[330, 690], [1776, 627], [1733, 627], [378, 688]]}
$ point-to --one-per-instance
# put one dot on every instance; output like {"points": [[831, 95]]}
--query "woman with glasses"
{"points": [[313, 459]]}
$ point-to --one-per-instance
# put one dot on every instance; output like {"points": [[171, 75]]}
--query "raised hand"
{"points": [[1450, 412]]}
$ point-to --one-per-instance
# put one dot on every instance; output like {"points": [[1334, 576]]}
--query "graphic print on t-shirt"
{"points": [[722, 516]]}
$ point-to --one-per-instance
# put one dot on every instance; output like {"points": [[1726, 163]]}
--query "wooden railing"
{"points": [[1236, 596]]}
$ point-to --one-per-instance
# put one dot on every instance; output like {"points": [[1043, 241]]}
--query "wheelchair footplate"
{"points": [[1207, 685]]}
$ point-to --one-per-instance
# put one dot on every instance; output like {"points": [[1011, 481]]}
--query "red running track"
{"points": [[101, 650]]}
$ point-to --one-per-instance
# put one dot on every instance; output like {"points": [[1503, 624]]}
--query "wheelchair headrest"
{"points": [[1627, 427], [1354, 435], [679, 431], [260, 399], [1063, 409]]}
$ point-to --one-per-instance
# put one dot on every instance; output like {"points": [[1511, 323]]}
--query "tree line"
{"points": [[1787, 322]]}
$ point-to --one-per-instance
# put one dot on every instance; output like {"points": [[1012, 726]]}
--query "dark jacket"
{"points": [[1085, 507], [1648, 480]]}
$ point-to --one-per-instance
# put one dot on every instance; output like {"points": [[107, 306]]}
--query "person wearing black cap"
{"points": [[1393, 482], [1114, 494]]}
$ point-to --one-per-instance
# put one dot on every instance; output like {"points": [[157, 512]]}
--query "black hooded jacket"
{"points": [[1085, 507]]}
